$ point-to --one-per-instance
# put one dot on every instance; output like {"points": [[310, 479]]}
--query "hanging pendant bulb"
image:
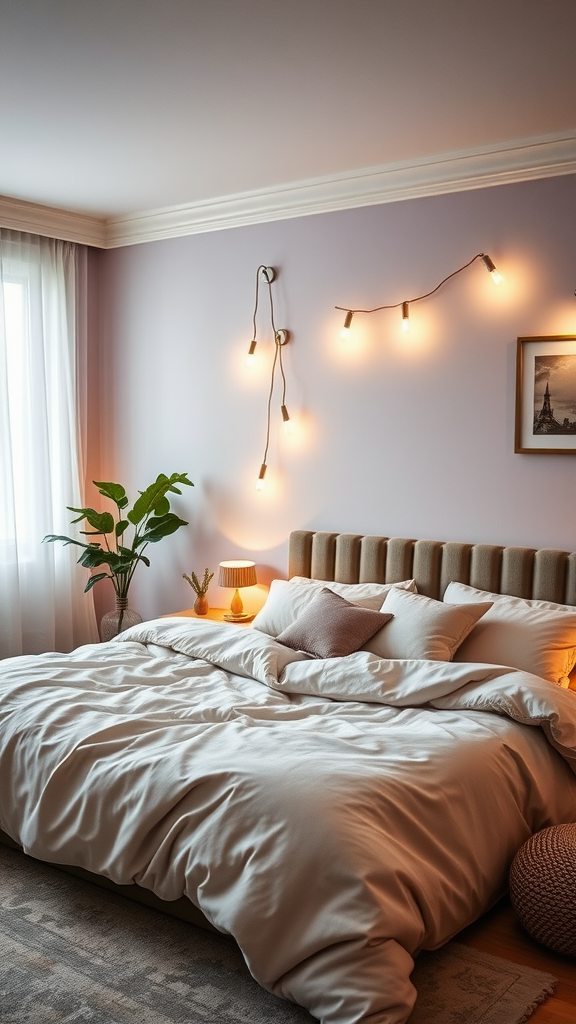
{"points": [[251, 351], [405, 317], [288, 425], [490, 267], [346, 330], [261, 475]]}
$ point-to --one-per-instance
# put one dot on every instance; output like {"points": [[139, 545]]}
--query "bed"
{"points": [[337, 799]]}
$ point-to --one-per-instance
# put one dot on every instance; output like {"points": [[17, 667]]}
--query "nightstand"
{"points": [[216, 614]]}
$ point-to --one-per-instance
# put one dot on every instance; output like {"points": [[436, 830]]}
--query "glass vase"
{"points": [[118, 620]]}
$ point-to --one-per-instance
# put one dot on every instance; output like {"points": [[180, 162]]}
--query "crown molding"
{"points": [[523, 160], [48, 220], [541, 156]]}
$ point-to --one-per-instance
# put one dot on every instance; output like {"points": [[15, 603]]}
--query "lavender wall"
{"points": [[410, 437]]}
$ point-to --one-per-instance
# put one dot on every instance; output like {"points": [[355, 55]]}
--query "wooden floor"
{"points": [[500, 934]]}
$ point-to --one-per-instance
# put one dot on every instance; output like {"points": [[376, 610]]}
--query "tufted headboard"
{"points": [[544, 574]]}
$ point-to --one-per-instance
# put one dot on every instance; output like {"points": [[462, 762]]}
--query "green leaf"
{"points": [[127, 552], [94, 579], [159, 527], [121, 526], [162, 507], [148, 500], [101, 522], [65, 540], [115, 492], [93, 556]]}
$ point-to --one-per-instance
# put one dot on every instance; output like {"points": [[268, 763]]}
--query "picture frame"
{"points": [[545, 422]]}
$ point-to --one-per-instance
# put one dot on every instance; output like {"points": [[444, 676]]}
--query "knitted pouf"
{"points": [[543, 887]]}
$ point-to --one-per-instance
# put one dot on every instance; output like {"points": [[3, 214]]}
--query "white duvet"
{"points": [[333, 816]]}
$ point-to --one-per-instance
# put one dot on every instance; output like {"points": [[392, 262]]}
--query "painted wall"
{"points": [[409, 436]]}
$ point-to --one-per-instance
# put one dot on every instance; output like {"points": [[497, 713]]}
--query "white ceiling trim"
{"points": [[544, 156], [55, 223], [523, 160]]}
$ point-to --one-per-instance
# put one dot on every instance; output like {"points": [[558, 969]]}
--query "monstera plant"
{"points": [[125, 536]]}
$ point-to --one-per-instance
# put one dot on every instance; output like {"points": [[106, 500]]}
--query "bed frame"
{"points": [[545, 574]]}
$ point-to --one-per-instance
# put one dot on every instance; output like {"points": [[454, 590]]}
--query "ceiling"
{"points": [[113, 107]]}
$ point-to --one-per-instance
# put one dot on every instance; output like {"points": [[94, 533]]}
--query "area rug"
{"points": [[72, 953]]}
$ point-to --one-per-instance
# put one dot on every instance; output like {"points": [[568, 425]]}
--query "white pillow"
{"points": [[287, 599], [536, 636], [423, 627]]}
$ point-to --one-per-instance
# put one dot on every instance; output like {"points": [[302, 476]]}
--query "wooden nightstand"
{"points": [[212, 613]]}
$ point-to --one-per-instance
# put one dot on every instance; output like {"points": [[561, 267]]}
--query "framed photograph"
{"points": [[546, 395]]}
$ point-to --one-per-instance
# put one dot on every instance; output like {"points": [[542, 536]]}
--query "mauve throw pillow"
{"points": [[331, 627]]}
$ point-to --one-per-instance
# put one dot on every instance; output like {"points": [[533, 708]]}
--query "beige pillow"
{"points": [[331, 627], [287, 599], [536, 636], [422, 629], [353, 591]]}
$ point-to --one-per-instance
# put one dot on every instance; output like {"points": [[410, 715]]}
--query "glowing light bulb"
{"points": [[346, 330], [251, 350], [490, 267], [405, 317], [261, 475], [288, 425]]}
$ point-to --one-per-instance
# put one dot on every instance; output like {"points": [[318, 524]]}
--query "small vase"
{"points": [[117, 621], [201, 604]]}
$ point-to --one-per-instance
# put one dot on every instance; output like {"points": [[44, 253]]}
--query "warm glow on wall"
{"points": [[354, 349]]}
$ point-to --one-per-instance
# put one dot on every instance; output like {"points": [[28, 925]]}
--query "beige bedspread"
{"points": [[334, 817]]}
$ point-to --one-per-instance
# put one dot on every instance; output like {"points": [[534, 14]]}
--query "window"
{"points": [[40, 455]]}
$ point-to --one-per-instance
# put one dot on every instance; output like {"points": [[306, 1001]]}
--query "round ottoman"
{"points": [[543, 887]]}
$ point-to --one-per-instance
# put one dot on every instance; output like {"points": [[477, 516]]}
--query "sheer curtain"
{"points": [[42, 363]]}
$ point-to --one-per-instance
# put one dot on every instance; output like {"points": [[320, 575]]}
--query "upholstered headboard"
{"points": [[544, 574]]}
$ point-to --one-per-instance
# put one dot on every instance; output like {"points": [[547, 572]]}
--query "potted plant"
{"points": [[200, 588], [150, 519]]}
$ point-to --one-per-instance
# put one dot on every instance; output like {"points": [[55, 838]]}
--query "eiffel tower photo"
{"points": [[544, 422]]}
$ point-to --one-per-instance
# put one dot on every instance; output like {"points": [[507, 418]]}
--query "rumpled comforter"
{"points": [[334, 816]]}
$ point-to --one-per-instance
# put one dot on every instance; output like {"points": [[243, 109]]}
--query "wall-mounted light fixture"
{"points": [[404, 305], [281, 337]]}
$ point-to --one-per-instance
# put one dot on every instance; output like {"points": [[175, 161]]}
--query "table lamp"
{"points": [[237, 573]]}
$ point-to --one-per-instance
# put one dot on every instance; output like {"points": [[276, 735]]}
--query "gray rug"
{"points": [[71, 953]]}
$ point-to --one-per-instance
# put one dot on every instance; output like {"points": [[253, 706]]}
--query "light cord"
{"points": [[417, 298], [272, 374], [276, 362], [260, 268]]}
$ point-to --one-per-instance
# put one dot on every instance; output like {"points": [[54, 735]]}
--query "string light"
{"points": [[288, 425], [405, 303], [251, 351], [346, 330], [494, 274], [281, 337], [261, 475]]}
